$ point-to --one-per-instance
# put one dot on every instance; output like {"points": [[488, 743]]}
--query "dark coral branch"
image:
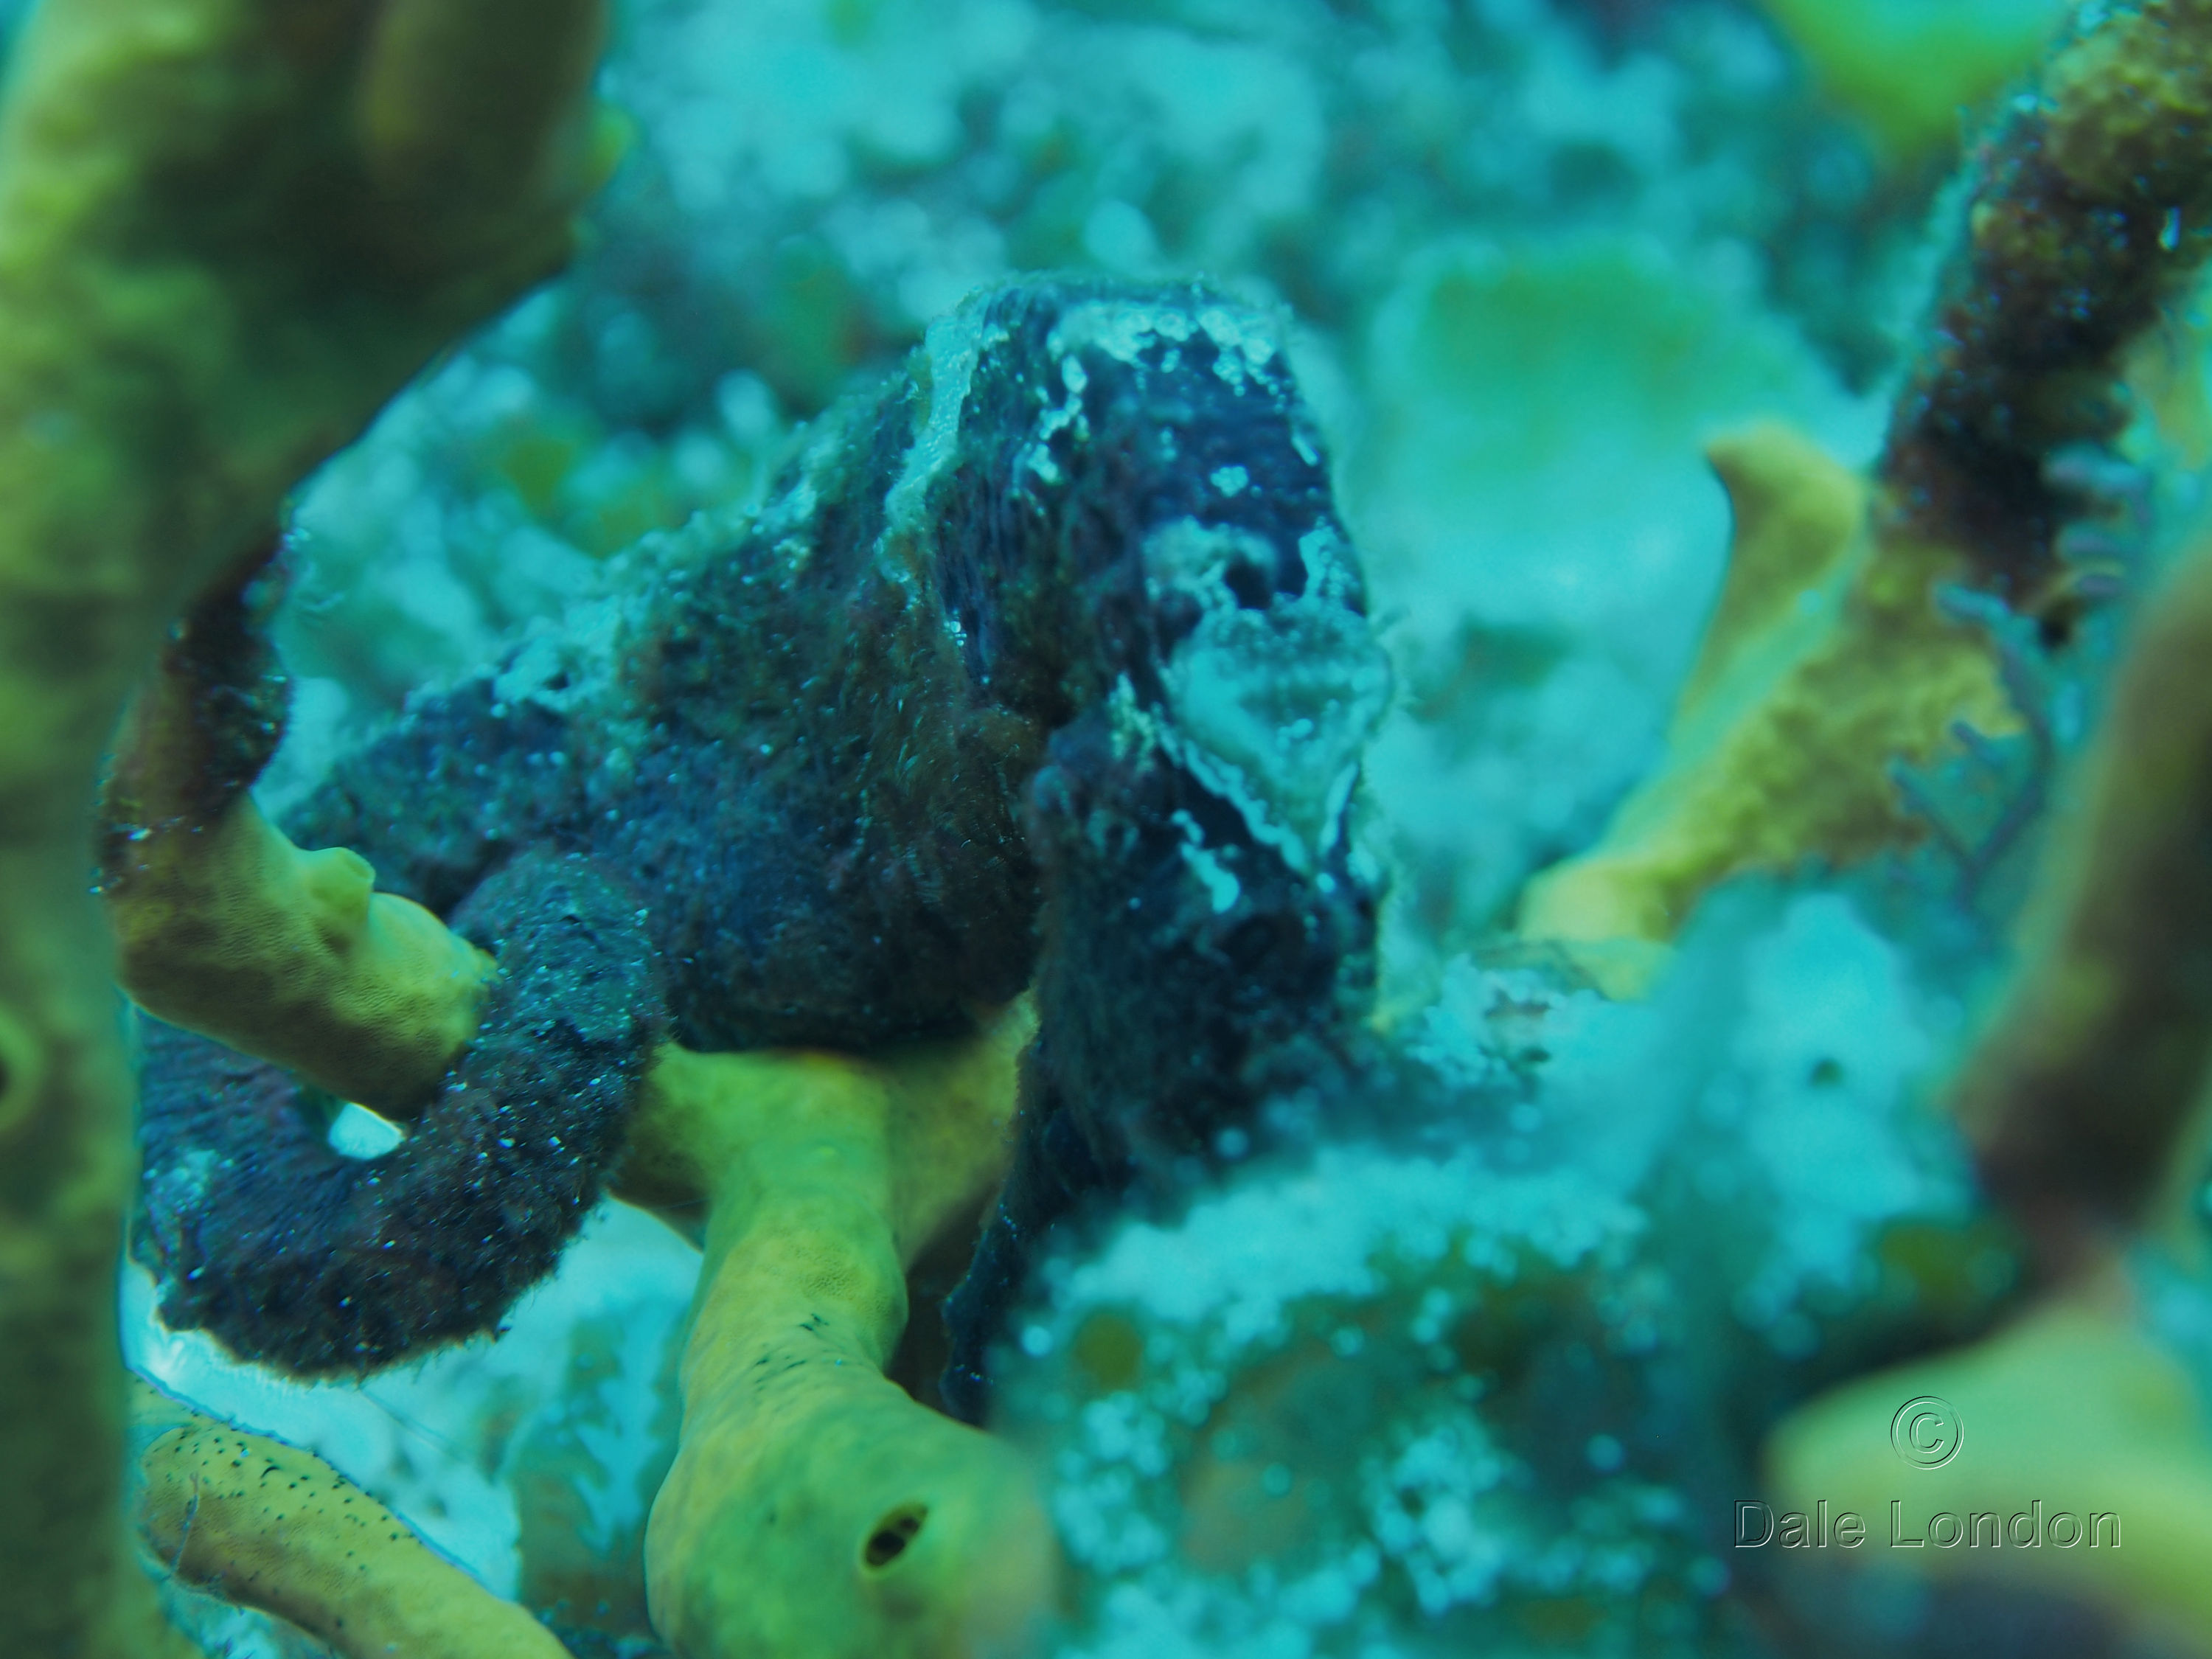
{"points": [[2090, 206], [206, 722]]}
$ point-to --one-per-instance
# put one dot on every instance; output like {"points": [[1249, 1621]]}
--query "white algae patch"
{"points": [[1237, 1261], [1393, 1400], [1303, 1280]]}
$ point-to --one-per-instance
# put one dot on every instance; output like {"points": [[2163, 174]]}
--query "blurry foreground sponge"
{"points": [[2081, 1466]]}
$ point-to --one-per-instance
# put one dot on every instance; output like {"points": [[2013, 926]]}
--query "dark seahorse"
{"points": [[1045, 664]]}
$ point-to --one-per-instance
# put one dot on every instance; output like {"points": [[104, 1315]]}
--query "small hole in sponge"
{"points": [[892, 1534]]}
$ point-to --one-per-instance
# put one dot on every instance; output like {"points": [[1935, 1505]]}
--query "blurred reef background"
{"points": [[1531, 255], [1525, 247]]}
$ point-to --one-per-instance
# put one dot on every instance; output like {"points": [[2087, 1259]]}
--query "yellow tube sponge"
{"points": [[266, 1525], [225, 927], [1825, 659], [815, 1509], [233, 932]]}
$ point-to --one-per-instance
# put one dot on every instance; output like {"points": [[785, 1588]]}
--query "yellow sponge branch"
{"points": [[266, 1525], [1826, 658], [814, 1508], [233, 932]]}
